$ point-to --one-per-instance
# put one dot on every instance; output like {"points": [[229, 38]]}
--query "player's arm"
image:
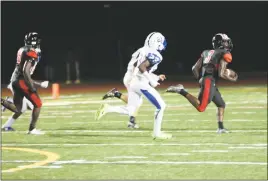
{"points": [[161, 77], [223, 72], [27, 75], [196, 68], [143, 69]]}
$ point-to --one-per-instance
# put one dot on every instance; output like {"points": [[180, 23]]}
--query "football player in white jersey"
{"points": [[143, 82], [105, 108], [146, 58]]}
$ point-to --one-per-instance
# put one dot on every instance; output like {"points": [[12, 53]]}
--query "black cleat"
{"points": [[110, 94], [132, 125]]}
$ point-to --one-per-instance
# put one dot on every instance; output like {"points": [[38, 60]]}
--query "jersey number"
{"points": [[208, 57], [153, 58], [19, 55]]}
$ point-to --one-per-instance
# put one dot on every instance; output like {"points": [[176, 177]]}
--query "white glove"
{"points": [[44, 84], [154, 83]]}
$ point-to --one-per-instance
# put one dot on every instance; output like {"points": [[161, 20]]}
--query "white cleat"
{"points": [[101, 112], [163, 136], [220, 131], [36, 132], [175, 89]]}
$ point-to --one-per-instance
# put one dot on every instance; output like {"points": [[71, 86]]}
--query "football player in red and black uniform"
{"points": [[22, 85], [209, 67]]}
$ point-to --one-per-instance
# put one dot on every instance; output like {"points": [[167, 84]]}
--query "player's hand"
{"points": [[162, 77], [154, 83], [44, 84], [235, 78]]}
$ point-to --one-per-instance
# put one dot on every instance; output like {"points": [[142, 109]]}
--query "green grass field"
{"points": [[78, 147]]}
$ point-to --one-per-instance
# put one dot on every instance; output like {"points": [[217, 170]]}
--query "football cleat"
{"points": [[36, 132], [220, 131], [68, 82], [8, 129], [101, 112], [133, 125], [110, 94], [162, 135], [175, 89]]}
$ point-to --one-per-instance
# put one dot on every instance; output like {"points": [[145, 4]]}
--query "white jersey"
{"points": [[146, 53], [142, 54]]}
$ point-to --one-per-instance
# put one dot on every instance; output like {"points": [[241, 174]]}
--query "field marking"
{"points": [[171, 154], [51, 166], [247, 147], [137, 131], [122, 121], [257, 145], [118, 157], [158, 162], [51, 157], [210, 151]]}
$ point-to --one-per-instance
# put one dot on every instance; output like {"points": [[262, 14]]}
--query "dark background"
{"points": [[105, 37]]}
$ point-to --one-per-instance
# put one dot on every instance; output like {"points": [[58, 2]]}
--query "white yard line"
{"points": [[118, 157], [247, 147], [171, 154], [152, 162], [137, 131], [210, 151], [257, 145]]}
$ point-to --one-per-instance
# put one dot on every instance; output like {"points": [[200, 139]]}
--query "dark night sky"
{"points": [[94, 32]]}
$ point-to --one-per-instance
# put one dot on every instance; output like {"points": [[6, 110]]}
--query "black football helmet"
{"points": [[32, 39], [222, 41]]}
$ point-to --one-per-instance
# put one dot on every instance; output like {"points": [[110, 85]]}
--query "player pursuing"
{"points": [[22, 85], [210, 66], [105, 108], [143, 83]]}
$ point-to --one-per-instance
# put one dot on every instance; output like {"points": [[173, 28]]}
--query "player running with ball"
{"points": [[210, 66]]}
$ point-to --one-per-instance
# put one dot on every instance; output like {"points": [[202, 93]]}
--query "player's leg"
{"points": [[17, 99], [154, 97], [27, 105], [77, 72], [106, 108], [134, 100], [34, 98], [6, 103], [37, 103], [68, 73], [205, 94], [115, 93], [219, 102]]}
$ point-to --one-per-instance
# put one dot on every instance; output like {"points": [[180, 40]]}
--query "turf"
{"points": [[107, 149]]}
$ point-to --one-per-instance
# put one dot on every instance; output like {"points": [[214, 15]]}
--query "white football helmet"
{"points": [[156, 41]]}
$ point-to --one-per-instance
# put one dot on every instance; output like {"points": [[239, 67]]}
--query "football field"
{"points": [[76, 146]]}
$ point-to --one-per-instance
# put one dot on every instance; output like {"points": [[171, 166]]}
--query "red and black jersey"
{"points": [[211, 60], [25, 54]]}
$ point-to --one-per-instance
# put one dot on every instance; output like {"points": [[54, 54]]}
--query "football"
{"points": [[231, 73]]}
